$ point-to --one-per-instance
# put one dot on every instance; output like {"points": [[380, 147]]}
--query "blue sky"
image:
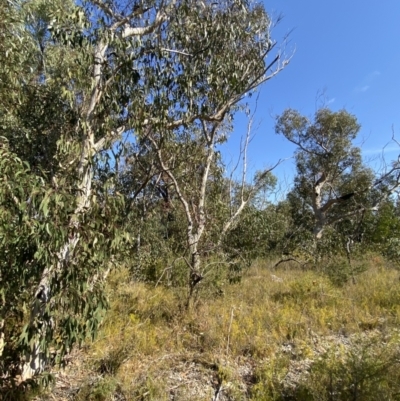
{"points": [[349, 50]]}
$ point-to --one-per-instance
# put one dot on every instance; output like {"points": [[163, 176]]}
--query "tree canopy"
{"points": [[332, 181]]}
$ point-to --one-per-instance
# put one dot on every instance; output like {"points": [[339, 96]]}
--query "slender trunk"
{"points": [[193, 239], [318, 209], [2, 343], [193, 234], [36, 360], [349, 243], [195, 275], [319, 224]]}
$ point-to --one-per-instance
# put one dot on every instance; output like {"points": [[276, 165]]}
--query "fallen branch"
{"points": [[290, 260]]}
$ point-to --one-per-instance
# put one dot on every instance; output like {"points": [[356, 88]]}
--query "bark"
{"points": [[36, 360], [195, 273], [319, 229], [193, 232], [1, 337], [319, 213]]}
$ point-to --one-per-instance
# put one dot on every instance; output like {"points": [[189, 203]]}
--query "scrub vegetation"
{"points": [[134, 265]]}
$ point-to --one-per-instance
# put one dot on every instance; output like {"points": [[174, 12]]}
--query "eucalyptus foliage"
{"points": [[78, 81], [332, 182]]}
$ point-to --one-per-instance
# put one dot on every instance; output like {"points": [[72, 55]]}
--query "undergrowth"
{"points": [[246, 339]]}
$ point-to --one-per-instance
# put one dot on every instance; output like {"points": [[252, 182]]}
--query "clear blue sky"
{"points": [[350, 49]]}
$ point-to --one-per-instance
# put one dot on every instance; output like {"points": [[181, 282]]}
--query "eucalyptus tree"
{"points": [[159, 70], [219, 81], [70, 104], [211, 73], [332, 183]]}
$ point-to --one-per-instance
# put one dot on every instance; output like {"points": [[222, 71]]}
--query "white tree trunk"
{"points": [[36, 360]]}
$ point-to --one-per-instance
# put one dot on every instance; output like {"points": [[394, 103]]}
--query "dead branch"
{"points": [[290, 260]]}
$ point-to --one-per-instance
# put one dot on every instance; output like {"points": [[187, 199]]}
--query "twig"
{"points": [[176, 51], [162, 275], [229, 333], [218, 391], [169, 268]]}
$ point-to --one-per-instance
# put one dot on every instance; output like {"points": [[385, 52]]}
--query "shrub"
{"points": [[269, 380], [367, 370]]}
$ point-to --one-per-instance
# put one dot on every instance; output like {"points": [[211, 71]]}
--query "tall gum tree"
{"points": [[331, 177], [210, 85]]}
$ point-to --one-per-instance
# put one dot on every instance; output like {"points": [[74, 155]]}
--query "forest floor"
{"points": [[284, 334]]}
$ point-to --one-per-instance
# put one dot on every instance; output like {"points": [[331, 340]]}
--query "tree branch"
{"points": [[98, 146], [177, 187], [161, 16]]}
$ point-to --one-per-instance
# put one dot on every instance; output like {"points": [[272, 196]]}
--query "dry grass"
{"points": [[150, 347]]}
